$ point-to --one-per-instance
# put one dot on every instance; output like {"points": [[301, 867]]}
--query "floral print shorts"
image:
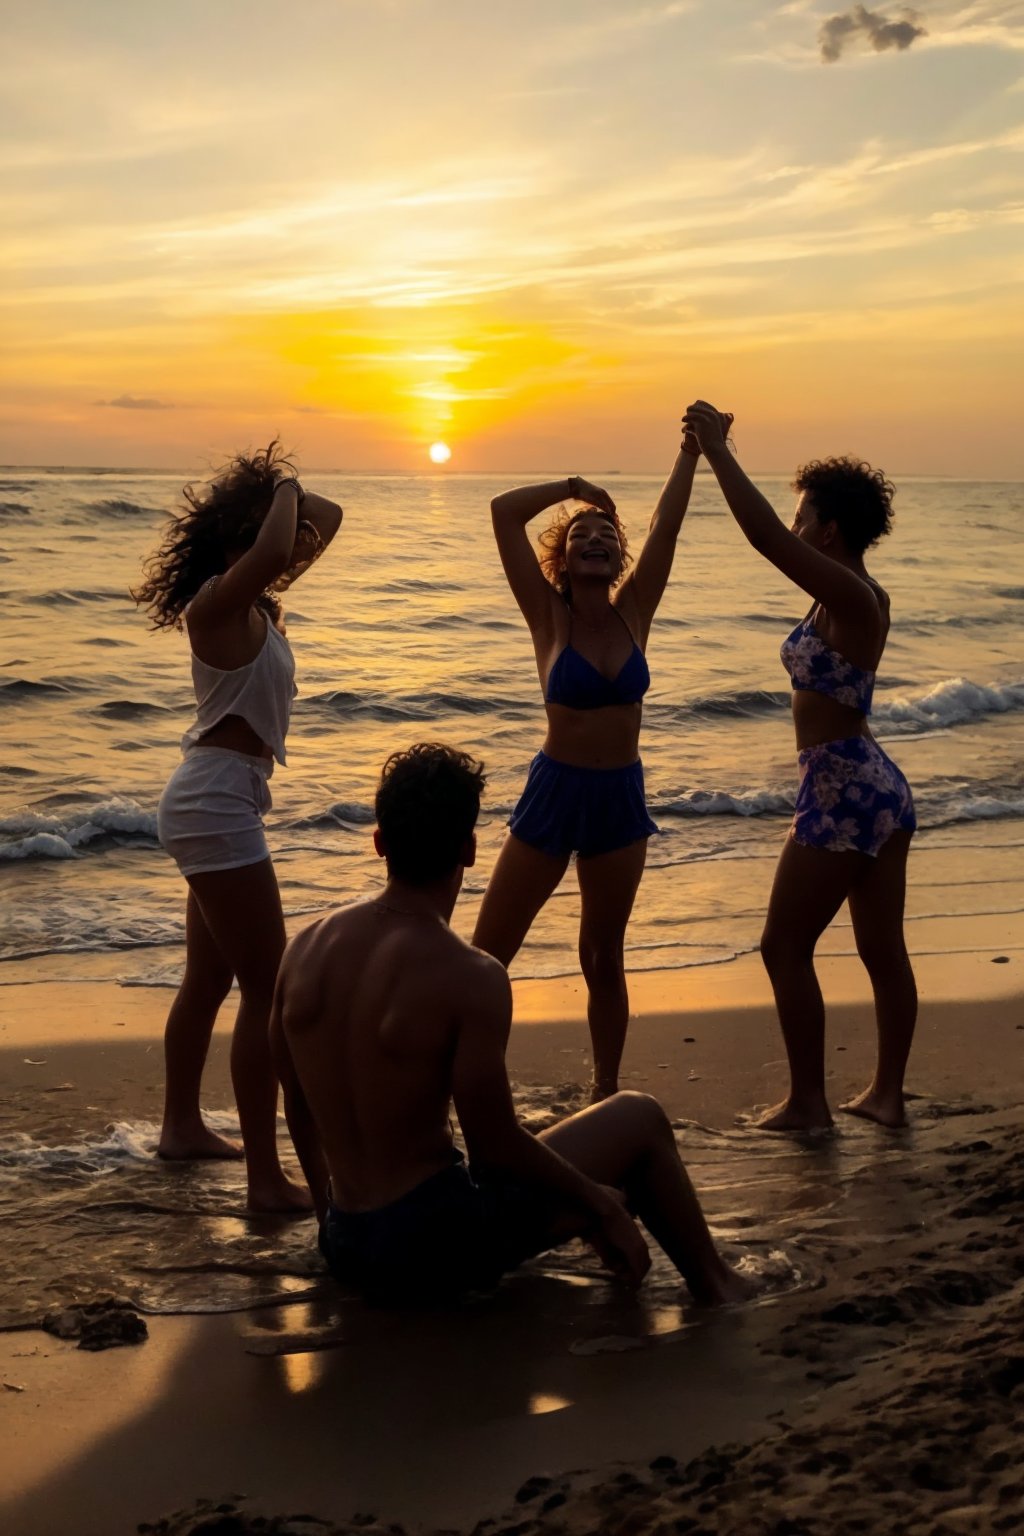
{"points": [[852, 797]]}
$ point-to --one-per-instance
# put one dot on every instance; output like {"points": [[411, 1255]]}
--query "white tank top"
{"points": [[261, 692]]}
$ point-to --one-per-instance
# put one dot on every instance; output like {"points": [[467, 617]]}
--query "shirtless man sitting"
{"points": [[382, 1017]]}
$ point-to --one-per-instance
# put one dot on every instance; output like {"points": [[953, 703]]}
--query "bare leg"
{"points": [[522, 880], [242, 910], [810, 886], [626, 1141], [204, 987], [876, 906], [608, 887]]}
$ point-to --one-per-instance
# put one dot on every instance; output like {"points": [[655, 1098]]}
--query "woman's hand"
{"points": [[709, 426], [582, 490]]}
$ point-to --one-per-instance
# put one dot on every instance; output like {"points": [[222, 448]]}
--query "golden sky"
{"points": [[533, 229]]}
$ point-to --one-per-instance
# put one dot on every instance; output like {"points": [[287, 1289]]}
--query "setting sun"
{"points": [[440, 453]]}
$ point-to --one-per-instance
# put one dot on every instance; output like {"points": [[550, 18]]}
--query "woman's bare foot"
{"points": [[601, 1091], [884, 1109], [278, 1195], [793, 1115], [180, 1144]]}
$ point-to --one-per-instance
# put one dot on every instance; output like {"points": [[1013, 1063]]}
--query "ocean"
{"points": [[406, 631]]}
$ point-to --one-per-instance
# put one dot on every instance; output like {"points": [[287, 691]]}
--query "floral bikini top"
{"points": [[816, 667]]}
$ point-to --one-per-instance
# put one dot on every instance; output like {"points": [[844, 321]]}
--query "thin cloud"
{"points": [[880, 33], [136, 403]]}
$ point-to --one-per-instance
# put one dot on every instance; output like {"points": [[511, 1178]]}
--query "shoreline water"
{"points": [[439, 1421]]}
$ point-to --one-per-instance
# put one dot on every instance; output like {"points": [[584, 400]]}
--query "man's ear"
{"points": [[467, 858], [378, 844]]}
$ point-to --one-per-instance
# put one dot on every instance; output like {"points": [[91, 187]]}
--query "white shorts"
{"points": [[210, 815]]}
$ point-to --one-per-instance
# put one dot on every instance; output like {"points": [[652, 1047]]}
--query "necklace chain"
{"points": [[387, 906]]}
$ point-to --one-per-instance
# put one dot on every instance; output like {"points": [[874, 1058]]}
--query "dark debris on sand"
{"points": [[104, 1324], [924, 1440], [932, 1450]]}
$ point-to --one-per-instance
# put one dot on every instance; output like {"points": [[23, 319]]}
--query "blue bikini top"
{"points": [[575, 682], [816, 667]]}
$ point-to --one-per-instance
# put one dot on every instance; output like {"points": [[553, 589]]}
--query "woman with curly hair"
{"points": [[237, 543], [585, 789], [854, 811]]}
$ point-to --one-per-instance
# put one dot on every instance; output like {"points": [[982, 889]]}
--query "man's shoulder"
{"points": [[319, 938], [471, 961]]}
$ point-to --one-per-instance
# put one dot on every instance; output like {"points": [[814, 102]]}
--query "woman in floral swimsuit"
{"points": [[854, 812]]}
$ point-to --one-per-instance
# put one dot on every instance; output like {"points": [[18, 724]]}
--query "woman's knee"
{"points": [[205, 989], [602, 964], [882, 954], [781, 949]]}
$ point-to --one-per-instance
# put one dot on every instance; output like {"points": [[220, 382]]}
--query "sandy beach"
{"points": [[879, 1384]]}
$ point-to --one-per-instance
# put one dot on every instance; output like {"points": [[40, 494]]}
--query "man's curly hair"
{"points": [[555, 537], [426, 806], [852, 494], [222, 517]]}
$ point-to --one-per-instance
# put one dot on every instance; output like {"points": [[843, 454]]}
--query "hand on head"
{"points": [[708, 425], [593, 494]]}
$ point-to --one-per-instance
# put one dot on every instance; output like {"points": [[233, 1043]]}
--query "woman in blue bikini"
{"points": [[585, 790], [854, 812]]}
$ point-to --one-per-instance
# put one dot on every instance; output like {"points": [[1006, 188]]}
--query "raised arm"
{"points": [[840, 589], [510, 513], [259, 567], [494, 1137], [646, 583], [318, 521]]}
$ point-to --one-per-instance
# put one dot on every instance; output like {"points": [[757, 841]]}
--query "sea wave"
{"points": [[744, 703], [25, 688], [130, 709], [117, 506], [982, 808], [344, 813], [32, 835], [341, 705], [73, 598], [952, 702], [716, 802]]}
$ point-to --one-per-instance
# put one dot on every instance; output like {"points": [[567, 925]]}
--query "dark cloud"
{"points": [[136, 403], [880, 32]]}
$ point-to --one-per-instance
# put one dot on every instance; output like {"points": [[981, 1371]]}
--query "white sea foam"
{"points": [[952, 702], [31, 834], [710, 802]]}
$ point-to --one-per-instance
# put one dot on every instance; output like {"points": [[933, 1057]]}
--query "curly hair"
{"points": [[219, 519], [555, 538], [852, 494], [426, 806]]}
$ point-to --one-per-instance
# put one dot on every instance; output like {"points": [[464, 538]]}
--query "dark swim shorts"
{"points": [[453, 1233], [567, 810]]}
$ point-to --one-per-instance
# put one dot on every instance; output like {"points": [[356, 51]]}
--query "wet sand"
{"points": [[879, 1386]]}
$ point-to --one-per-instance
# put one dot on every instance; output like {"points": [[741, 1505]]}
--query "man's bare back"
{"points": [[383, 1019], [371, 1000]]}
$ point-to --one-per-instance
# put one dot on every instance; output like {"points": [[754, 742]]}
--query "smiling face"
{"points": [[592, 549]]}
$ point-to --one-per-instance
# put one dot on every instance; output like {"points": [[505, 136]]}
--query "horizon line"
{"points": [[437, 473]]}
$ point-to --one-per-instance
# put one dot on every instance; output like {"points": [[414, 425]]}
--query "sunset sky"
{"points": [[531, 230]]}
